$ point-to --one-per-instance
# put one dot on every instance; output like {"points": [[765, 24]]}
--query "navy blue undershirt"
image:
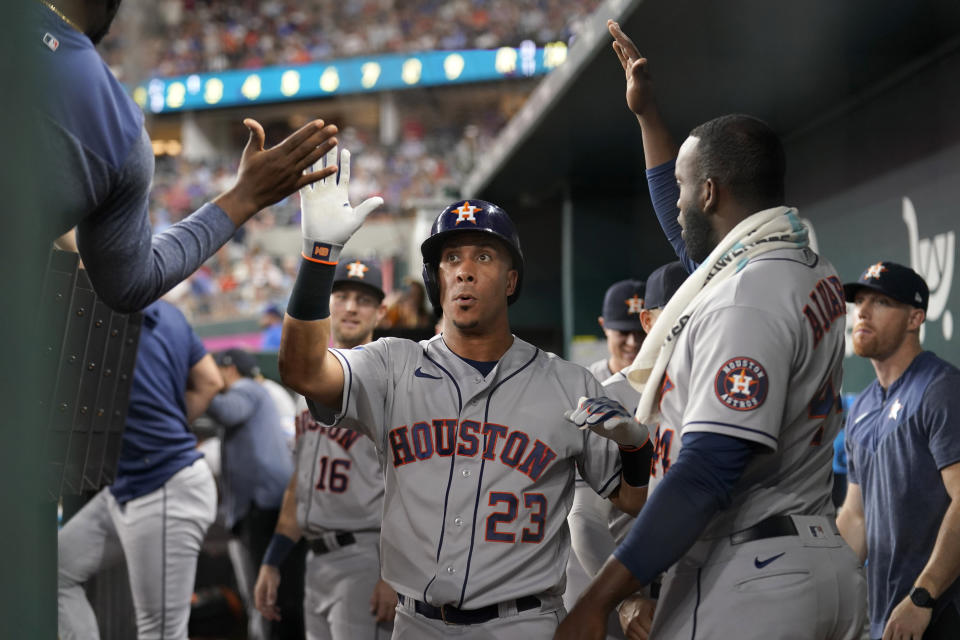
{"points": [[698, 485], [483, 367]]}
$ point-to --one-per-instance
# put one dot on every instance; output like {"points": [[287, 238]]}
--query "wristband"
{"points": [[310, 298], [635, 463], [321, 252], [278, 550]]}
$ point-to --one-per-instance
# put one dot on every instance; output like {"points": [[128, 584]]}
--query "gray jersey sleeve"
{"points": [[739, 374], [368, 374]]}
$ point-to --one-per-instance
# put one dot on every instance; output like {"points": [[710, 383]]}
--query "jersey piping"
{"points": [[483, 462], [453, 459]]}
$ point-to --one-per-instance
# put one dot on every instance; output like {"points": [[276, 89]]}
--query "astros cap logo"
{"points": [[741, 384], [465, 213], [874, 271], [356, 269], [634, 305]]}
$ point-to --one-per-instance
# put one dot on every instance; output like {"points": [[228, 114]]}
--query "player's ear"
{"points": [[381, 312], [646, 320], [512, 276], [600, 321], [709, 193], [915, 319]]}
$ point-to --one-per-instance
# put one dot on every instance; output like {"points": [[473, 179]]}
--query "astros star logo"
{"points": [[741, 384], [874, 271], [895, 409], [634, 304], [465, 213], [356, 269]]}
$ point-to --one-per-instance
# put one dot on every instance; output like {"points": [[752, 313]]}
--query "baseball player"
{"points": [[479, 461], [335, 496], [620, 321], [596, 528], [164, 498], [742, 373], [901, 508]]}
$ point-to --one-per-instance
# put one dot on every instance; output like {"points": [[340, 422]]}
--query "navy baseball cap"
{"points": [[365, 272], [663, 283], [901, 283], [243, 360], [622, 304]]}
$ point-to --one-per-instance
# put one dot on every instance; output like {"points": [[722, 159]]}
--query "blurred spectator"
{"points": [[189, 36], [407, 308], [256, 466], [271, 327]]}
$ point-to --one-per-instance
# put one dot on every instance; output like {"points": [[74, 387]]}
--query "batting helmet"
{"points": [[468, 215]]}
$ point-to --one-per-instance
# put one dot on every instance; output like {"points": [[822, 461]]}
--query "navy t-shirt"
{"points": [[156, 441], [100, 160], [898, 440]]}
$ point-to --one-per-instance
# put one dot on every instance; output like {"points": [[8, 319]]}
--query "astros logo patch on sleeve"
{"points": [[741, 384]]}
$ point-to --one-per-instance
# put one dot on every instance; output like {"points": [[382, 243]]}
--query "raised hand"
{"points": [[328, 220], [267, 176], [639, 84]]}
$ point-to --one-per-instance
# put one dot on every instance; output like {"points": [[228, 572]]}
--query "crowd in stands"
{"points": [[175, 37], [423, 165]]}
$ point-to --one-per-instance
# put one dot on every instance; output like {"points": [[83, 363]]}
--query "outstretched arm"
{"points": [[659, 147], [328, 221], [130, 267]]}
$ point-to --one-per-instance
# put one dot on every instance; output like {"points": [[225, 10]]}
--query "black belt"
{"points": [[453, 615], [772, 527], [318, 546]]}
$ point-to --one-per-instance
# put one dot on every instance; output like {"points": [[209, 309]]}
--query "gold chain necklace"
{"points": [[49, 5]]}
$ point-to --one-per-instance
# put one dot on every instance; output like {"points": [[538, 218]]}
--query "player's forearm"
{"points": [[629, 499], [853, 529], [610, 586], [943, 567], [658, 144], [198, 401], [287, 521]]}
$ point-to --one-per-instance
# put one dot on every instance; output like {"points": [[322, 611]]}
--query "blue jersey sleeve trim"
{"points": [[603, 489], [766, 435]]}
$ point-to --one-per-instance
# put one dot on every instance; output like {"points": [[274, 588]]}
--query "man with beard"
{"points": [[743, 378], [335, 497], [100, 161], [903, 454]]}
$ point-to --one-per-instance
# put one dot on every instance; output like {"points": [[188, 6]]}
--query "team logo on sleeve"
{"points": [[741, 384]]}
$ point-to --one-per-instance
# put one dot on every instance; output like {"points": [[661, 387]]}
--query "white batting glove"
{"points": [[608, 418], [327, 219]]}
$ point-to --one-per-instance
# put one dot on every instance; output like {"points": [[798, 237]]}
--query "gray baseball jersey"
{"points": [[761, 360], [479, 470], [600, 369], [339, 479]]}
